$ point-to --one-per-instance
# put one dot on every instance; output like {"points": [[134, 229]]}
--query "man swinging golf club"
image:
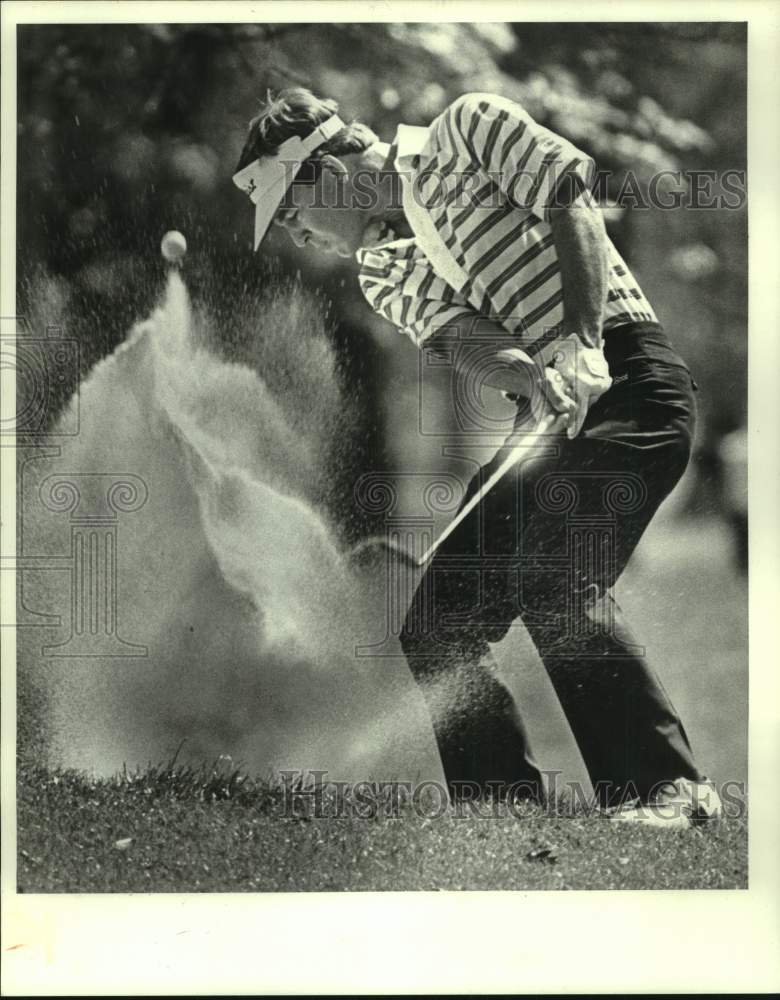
{"points": [[481, 230]]}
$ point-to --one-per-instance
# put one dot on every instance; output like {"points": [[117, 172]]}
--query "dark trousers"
{"points": [[545, 547]]}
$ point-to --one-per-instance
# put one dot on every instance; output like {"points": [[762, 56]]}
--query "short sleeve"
{"points": [[400, 285], [537, 169]]}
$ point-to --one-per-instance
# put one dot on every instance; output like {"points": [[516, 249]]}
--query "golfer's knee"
{"points": [[419, 639], [461, 643], [410, 638], [564, 596]]}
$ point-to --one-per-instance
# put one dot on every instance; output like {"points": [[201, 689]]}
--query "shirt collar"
{"points": [[409, 142]]}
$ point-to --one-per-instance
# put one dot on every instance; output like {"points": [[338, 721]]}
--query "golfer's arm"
{"points": [[474, 343], [581, 244]]}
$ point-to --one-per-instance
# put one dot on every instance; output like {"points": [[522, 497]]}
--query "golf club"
{"points": [[524, 445]]}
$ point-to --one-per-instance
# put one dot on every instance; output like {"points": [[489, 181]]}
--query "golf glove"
{"points": [[576, 376]]}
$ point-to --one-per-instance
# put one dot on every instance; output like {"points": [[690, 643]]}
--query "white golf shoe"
{"points": [[677, 805]]}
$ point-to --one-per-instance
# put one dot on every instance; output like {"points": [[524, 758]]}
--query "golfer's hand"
{"points": [[574, 380]]}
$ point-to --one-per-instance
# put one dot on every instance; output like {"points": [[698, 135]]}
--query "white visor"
{"points": [[266, 180]]}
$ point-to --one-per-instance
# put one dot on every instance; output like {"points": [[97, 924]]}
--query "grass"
{"points": [[214, 829], [177, 829]]}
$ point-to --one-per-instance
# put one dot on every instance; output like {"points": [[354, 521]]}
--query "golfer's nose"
{"points": [[299, 237]]}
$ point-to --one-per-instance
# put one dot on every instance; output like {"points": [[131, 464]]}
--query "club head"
{"points": [[380, 548]]}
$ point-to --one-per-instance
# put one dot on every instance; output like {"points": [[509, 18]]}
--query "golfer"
{"points": [[479, 235]]}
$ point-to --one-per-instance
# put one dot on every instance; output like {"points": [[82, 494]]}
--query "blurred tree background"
{"points": [[126, 131]]}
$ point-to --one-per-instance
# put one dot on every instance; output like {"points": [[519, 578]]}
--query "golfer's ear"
{"points": [[334, 165]]}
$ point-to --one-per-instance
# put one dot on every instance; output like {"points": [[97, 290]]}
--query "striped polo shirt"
{"points": [[487, 174]]}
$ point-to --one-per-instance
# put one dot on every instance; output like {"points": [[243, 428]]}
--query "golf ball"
{"points": [[173, 246]]}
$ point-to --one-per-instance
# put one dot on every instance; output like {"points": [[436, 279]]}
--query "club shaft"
{"points": [[526, 444]]}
